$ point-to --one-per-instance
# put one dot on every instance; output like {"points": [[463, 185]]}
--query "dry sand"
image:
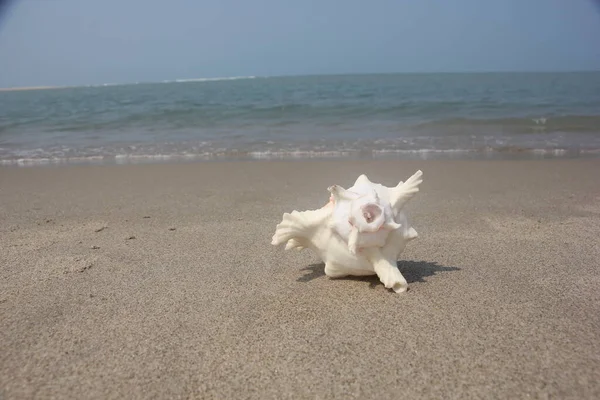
{"points": [[159, 281]]}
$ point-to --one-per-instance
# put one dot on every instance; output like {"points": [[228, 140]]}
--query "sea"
{"points": [[370, 116]]}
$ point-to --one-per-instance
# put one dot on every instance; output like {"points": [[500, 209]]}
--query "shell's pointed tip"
{"points": [[361, 178], [400, 288], [412, 234]]}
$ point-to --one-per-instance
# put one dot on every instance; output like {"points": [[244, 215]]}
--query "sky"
{"points": [[77, 42]]}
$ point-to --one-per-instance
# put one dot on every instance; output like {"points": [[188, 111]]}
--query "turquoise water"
{"points": [[368, 116]]}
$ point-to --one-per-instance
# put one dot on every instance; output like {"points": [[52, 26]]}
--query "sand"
{"points": [[159, 281], [25, 88]]}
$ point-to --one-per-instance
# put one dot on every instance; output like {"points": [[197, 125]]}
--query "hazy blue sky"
{"points": [[63, 42]]}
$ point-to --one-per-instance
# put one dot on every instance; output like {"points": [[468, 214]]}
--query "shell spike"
{"points": [[411, 234], [363, 179], [339, 193], [387, 271], [401, 194]]}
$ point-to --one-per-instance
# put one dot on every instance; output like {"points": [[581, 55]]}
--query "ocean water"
{"points": [[361, 116]]}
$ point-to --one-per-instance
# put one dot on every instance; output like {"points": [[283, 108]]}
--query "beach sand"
{"points": [[25, 88], [159, 281]]}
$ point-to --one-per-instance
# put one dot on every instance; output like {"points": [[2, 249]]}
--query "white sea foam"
{"points": [[225, 78], [110, 84], [287, 154]]}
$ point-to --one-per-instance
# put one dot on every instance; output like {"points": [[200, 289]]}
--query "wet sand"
{"points": [[159, 281]]}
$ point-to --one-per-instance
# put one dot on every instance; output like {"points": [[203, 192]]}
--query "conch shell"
{"points": [[361, 231]]}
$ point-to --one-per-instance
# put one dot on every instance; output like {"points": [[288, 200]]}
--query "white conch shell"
{"points": [[317, 230]]}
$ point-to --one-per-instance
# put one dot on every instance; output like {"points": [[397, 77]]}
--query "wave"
{"points": [[225, 78], [111, 84], [422, 154], [209, 151], [302, 118], [534, 124], [377, 116]]}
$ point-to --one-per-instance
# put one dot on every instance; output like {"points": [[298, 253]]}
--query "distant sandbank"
{"points": [[16, 89]]}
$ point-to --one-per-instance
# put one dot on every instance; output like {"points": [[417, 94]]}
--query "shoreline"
{"points": [[301, 156]]}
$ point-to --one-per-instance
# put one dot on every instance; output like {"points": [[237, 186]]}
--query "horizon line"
{"points": [[209, 79]]}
